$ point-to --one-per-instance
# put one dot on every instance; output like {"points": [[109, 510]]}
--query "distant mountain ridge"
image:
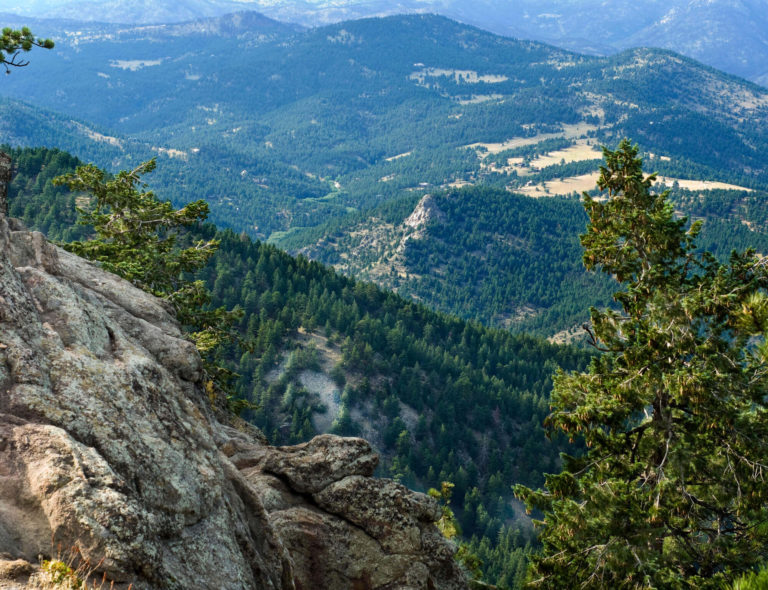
{"points": [[130, 12], [731, 35], [297, 136]]}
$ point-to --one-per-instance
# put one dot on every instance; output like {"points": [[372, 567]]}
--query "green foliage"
{"points": [[303, 151], [61, 575], [670, 492], [509, 260], [33, 196], [136, 238], [447, 522], [756, 580], [505, 557], [480, 394], [449, 527], [70, 570], [14, 41]]}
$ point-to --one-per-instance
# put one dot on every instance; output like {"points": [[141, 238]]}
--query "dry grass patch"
{"points": [[578, 152], [701, 185], [563, 186]]}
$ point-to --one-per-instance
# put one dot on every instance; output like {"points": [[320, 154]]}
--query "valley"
{"points": [[302, 137], [398, 205]]}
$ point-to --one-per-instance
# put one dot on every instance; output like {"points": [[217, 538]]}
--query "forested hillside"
{"points": [[481, 253], [309, 138], [441, 398], [507, 259], [302, 127]]}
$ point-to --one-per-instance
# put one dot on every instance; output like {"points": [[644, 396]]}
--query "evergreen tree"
{"points": [[671, 492], [136, 238], [14, 41]]}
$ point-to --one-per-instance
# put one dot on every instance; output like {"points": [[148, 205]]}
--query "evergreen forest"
{"points": [[443, 399]]}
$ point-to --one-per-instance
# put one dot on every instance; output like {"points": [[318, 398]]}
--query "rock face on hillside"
{"points": [[108, 443]]}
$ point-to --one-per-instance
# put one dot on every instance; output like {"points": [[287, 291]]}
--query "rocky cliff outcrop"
{"points": [[108, 443]]}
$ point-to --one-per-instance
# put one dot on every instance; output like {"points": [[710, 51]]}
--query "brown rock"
{"points": [[107, 437], [12, 570], [355, 532], [389, 512], [311, 466]]}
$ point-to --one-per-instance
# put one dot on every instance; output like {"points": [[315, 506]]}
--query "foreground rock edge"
{"points": [[109, 444]]}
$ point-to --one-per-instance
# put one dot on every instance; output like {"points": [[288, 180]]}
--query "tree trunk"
{"points": [[5, 180]]}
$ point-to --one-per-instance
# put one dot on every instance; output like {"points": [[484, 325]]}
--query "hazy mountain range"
{"points": [[731, 35], [301, 136]]}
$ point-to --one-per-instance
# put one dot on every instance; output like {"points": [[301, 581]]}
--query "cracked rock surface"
{"points": [[108, 443], [342, 527]]}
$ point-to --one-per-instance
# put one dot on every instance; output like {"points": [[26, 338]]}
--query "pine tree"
{"points": [[136, 238], [671, 492], [14, 41]]}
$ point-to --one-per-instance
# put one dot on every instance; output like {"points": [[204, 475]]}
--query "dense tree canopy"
{"points": [[671, 492]]}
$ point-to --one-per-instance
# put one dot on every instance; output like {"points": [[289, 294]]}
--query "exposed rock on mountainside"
{"points": [[109, 443], [426, 211]]}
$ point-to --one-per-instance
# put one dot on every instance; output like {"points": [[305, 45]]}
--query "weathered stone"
{"points": [[32, 249], [107, 435], [389, 512], [11, 570], [311, 466], [357, 531], [329, 553], [108, 443]]}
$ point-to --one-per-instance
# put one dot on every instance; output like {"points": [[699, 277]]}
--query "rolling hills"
{"points": [[299, 136], [728, 34]]}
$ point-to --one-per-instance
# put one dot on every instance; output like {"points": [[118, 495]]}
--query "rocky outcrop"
{"points": [[425, 212], [342, 527], [108, 443]]}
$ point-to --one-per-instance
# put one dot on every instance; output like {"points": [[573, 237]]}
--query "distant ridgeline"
{"points": [[282, 129], [441, 398], [325, 141]]}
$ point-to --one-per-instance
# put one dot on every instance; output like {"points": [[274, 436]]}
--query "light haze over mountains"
{"points": [[296, 135], [731, 35]]}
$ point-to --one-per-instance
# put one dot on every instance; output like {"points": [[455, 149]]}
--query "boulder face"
{"points": [[112, 454], [341, 527]]}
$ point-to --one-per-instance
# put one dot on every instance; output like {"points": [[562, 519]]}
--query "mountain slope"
{"points": [[442, 399], [731, 35], [340, 103], [481, 253]]}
